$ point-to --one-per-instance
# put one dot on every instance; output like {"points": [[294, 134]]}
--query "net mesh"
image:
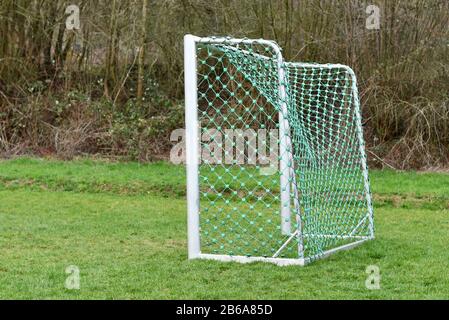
{"points": [[243, 120], [328, 150]]}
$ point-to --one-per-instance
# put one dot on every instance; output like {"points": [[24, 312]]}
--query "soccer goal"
{"points": [[276, 166]]}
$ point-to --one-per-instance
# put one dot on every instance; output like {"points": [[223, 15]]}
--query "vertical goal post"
{"points": [[297, 214]]}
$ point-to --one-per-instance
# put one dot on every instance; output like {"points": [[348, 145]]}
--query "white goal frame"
{"points": [[192, 142]]}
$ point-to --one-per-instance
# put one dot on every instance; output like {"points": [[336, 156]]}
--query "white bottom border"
{"points": [[278, 261]]}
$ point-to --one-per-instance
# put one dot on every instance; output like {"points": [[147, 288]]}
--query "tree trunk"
{"points": [[141, 59], [111, 50]]}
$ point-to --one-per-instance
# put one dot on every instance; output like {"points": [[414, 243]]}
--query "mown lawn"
{"points": [[124, 226]]}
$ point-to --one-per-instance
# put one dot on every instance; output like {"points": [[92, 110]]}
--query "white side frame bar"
{"points": [[192, 146], [369, 204]]}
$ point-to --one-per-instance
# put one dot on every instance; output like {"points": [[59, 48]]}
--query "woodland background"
{"points": [[115, 88]]}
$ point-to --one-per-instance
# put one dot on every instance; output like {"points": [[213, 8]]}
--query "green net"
{"points": [[329, 153], [278, 138]]}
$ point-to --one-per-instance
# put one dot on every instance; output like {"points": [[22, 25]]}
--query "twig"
{"points": [[381, 160]]}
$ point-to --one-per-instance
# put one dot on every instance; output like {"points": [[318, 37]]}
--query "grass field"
{"points": [[124, 226]]}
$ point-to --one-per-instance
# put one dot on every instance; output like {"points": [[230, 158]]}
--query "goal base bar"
{"points": [[348, 246], [279, 261], [245, 259]]}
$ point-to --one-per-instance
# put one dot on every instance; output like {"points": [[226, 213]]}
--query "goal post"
{"points": [[276, 167], [192, 141]]}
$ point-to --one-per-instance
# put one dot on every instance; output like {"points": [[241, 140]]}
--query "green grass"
{"points": [[124, 226]]}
